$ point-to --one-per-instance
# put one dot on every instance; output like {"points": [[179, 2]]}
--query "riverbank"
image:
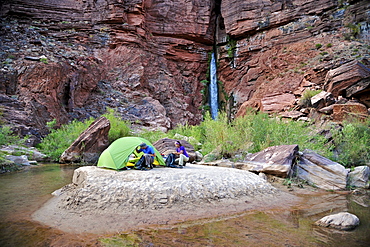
{"points": [[106, 201]]}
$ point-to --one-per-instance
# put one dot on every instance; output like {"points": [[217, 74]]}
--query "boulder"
{"points": [[18, 160], [95, 189], [167, 146], [322, 99], [359, 177], [348, 111], [292, 114], [198, 156], [327, 110], [88, 146], [341, 221], [349, 80], [321, 172], [277, 102], [30, 152], [275, 160]]}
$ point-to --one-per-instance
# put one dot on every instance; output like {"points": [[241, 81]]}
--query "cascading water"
{"points": [[213, 88]]}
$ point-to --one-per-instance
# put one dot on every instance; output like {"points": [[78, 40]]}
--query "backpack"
{"points": [[140, 163], [170, 161]]}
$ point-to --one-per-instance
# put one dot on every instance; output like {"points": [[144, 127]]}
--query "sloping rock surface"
{"points": [[359, 177], [276, 160], [321, 172], [348, 80], [349, 110], [88, 146]]}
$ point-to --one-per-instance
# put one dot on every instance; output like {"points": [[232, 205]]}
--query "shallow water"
{"points": [[24, 192]]}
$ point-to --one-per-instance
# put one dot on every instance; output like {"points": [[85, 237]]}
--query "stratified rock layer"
{"points": [[68, 60]]}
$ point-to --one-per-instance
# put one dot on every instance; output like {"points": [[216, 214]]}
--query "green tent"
{"points": [[116, 156]]}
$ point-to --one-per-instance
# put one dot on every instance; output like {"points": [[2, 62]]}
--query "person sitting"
{"points": [[148, 155], [183, 156]]}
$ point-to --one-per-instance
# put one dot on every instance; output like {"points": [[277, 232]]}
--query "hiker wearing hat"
{"points": [[149, 155]]}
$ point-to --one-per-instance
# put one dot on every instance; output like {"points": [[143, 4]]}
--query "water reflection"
{"points": [[22, 193], [326, 203]]}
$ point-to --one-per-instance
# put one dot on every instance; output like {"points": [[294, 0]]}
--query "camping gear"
{"points": [[117, 155], [170, 161]]}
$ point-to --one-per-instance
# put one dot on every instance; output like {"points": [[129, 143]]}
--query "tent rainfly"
{"points": [[117, 155]]}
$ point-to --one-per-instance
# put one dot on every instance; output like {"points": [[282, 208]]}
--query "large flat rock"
{"points": [[94, 188], [102, 200]]}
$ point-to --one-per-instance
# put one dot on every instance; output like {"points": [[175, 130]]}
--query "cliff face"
{"points": [[282, 48], [70, 59], [73, 59]]}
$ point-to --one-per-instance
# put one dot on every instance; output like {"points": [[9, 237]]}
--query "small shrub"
{"points": [[307, 95], [58, 140], [44, 60], [7, 137], [352, 143], [329, 45], [231, 47], [118, 128], [152, 136], [318, 46]]}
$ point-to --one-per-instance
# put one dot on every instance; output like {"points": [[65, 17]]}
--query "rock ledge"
{"points": [[99, 189], [101, 200]]}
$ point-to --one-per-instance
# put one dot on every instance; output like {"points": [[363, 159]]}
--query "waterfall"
{"points": [[213, 89]]}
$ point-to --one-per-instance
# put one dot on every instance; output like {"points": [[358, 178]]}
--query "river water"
{"points": [[22, 193]]}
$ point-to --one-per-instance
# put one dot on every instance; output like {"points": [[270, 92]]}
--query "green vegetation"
{"points": [[352, 143], [307, 95], [355, 29], [318, 46], [231, 47], [44, 60], [7, 137], [54, 144], [118, 127], [252, 133], [255, 131], [58, 140]]}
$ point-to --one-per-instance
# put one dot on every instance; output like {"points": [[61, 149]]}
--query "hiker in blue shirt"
{"points": [[149, 155]]}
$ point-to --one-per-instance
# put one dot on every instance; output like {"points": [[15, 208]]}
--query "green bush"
{"points": [[352, 143], [253, 133], [261, 131], [307, 95], [58, 140], [152, 136], [7, 137], [118, 128]]}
